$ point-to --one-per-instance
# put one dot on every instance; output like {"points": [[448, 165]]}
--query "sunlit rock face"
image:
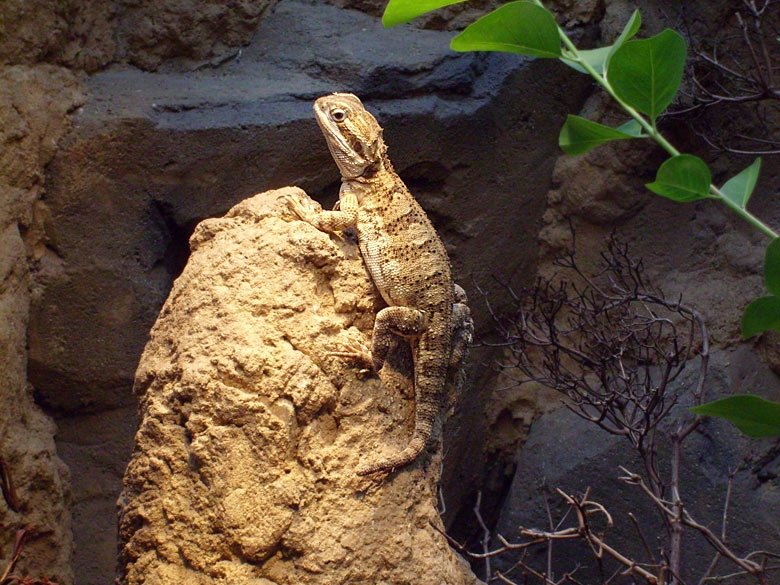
{"points": [[244, 465]]}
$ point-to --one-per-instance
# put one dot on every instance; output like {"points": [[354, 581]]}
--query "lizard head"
{"points": [[353, 135]]}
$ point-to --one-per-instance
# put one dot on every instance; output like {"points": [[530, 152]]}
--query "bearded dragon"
{"points": [[405, 257]]}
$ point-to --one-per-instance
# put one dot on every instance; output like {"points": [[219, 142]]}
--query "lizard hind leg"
{"points": [[462, 329], [390, 322], [407, 322]]}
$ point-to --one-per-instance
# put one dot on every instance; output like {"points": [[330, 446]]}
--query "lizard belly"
{"points": [[399, 268], [383, 272]]}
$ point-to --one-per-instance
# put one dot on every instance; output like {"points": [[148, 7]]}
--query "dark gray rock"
{"points": [[96, 447], [564, 451]]}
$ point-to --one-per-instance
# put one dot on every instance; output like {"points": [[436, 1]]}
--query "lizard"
{"points": [[405, 258]]}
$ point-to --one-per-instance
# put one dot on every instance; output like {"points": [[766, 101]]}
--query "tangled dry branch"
{"points": [[616, 347], [739, 71]]}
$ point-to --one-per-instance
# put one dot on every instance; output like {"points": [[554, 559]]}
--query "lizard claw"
{"points": [[354, 350], [307, 210], [302, 207]]}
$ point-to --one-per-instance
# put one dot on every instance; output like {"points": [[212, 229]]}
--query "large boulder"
{"points": [[244, 464]]}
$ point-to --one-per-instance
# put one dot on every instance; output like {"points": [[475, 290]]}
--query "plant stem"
{"points": [[653, 132], [649, 128], [675, 563], [749, 217]]}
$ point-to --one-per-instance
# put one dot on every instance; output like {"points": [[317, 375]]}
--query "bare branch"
{"points": [[485, 533], [735, 71], [615, 347]]}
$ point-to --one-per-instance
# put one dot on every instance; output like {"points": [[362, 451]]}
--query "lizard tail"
{"points": [[425, 416]]}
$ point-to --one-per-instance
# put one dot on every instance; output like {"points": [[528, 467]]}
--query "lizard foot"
{"points": [[302, 207], [357, 351]]}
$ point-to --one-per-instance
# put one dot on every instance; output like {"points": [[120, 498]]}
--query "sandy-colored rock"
{"points": [[39, 479], [698, 250], [192, 30], [244, 464], [34, 107]]}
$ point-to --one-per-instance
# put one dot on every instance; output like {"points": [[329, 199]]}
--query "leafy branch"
{"points": [[643, 77]]}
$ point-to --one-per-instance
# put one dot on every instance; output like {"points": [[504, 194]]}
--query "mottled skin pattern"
{"points": [[404, 255]]}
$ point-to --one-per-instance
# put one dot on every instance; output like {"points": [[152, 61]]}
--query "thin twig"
{"points": [[485, 533]]}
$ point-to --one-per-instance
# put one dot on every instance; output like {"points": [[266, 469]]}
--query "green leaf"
{"points": [[517, 27], [772, 267], [739, 187], [762, 314], [645, 74], [682, 178], [598, 59], [579, 135], [752, 415], [633, 128], [400, 11], [631, 28]]}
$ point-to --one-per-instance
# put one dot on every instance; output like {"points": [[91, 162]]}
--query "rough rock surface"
{"points": [[459, 16], [604, 191], [91, 35], [715, 262], [34, 106], [564, 451], [244, 463]]}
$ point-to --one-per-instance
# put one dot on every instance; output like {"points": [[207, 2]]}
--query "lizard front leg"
{"points": [[326, 221]]}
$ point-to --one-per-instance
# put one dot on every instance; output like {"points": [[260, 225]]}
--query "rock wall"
{"points": [[34, 107], [458, 16], [244, 464], [91, 35]]}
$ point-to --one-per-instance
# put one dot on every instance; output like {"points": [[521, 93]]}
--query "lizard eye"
{"points": [[338, 115]]}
